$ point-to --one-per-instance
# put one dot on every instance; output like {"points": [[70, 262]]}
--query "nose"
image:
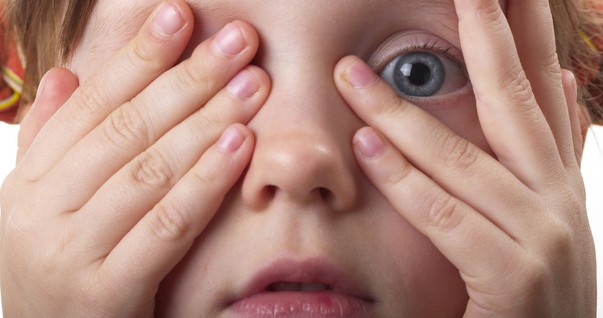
{"points": [[303, 152]]}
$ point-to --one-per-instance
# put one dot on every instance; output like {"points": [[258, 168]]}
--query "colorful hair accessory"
{"points": [[11, 80], [588, 41]]}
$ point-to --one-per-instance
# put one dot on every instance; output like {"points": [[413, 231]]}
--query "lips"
{"points": [[308, 288]]}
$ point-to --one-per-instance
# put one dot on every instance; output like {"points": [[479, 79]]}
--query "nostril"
{"points": [[269, 192], [331, 198], [326, 194], [271, 189]]}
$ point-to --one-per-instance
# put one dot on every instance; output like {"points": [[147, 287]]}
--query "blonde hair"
{"points": [[49, 30]]}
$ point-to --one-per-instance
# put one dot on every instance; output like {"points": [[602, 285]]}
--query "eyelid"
{"points": [[407, 41]]}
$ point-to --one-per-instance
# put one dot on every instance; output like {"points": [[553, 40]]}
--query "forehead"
{"points": [[294, 25], [117, 19]]}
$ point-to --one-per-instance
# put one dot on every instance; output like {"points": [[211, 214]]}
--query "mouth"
{"points": [[297, 287], [310, 288]]}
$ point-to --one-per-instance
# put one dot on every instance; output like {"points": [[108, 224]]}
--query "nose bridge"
{"points": [[303, 148]]}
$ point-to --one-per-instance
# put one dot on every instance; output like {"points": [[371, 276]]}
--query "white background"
{"points": [[592, 170]]}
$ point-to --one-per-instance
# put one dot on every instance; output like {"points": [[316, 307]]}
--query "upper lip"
{"points": [[314, 270]]}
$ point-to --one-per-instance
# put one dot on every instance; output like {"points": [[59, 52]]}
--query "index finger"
{"points": [[504, 96], [532, 25], [156, 47]]}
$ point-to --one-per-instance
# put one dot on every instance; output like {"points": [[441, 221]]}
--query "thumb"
{"points": [[54, 90]]}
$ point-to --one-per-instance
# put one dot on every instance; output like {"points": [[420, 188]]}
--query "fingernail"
{"points": [[168, 20], [361, 75], [369, 143], [231, 139], [230, 40], [244, 85]]}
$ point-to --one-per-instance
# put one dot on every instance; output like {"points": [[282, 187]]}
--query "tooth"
{"points": [[285, 286], [290, 286], [313, 287]]}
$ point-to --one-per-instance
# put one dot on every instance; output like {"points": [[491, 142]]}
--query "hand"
{"points": [[516, 227], [98, 209]]}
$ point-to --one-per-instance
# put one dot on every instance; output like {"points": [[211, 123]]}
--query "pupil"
{"points": [[420, 74]]}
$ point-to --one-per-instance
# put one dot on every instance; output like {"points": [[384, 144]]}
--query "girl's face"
{"points": [[304, 212]]}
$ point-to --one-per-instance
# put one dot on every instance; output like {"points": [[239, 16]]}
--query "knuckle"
{"points": [[94, 292], [194, 73], [125, 127], [392, 106], [152, 169], [399, 175], [528, 279], [551, 65], [142, 53], [90, 101], [457, 152], [490, 11], [208, 122], [170, 222], [560, 238], [207, 179], [518, 86], [444, 212]]}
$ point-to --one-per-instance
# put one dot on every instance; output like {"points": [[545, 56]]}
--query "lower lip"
{"points": [[301, 304]]}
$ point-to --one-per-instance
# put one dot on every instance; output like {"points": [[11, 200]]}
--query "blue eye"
{"points": [[423, 74]]}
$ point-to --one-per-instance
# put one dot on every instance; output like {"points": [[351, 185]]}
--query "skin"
{"points": [[471, 200]]}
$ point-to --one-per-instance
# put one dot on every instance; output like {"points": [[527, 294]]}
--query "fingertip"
{"points": [[261, 85], [262, 77], [57, 83], [232, 138], [55, 88], [352, 70], [344, 63], [368, 143], [170, 18], [569, 85], [578, 116], [250, 35]]}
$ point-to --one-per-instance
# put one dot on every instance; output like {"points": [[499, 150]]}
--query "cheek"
{"points": [[410, 272], [406, 272]]}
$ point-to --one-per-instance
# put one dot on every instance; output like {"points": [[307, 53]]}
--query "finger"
{"points": [[532, 25], [154, 49], [176, 94], [148, 178], [55, 88], [479, 249], [459, 167], [166, 233], [505, 101], [571, 95]]}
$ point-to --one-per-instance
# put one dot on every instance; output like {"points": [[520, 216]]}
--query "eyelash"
{"points": [[430, 46]]}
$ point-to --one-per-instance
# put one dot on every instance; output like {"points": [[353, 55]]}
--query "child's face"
{"points": [[304, 207]]}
